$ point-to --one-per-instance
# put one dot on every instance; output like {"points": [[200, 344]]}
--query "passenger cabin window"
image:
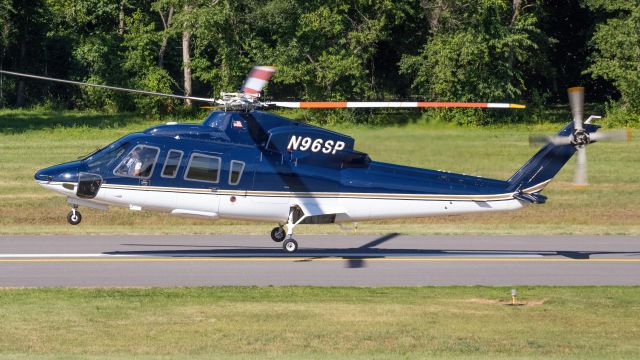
{"points": [[204, 168], [139, 162], [237, 167], [171, 163]]}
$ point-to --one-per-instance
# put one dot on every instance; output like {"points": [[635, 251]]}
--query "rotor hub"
{"points": [[580, 138]]}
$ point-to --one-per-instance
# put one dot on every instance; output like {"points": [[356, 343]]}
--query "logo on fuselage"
{"points": [[315, 145]]}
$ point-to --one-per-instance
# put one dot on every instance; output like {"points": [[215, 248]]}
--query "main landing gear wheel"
{"points": [[278, 234], [74, 217], [290, 246]]}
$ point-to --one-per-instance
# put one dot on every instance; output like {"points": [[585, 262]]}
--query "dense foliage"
{"points": [[450, 50]]}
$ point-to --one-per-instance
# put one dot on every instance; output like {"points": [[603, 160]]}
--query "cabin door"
{"points": [[236, 181]]}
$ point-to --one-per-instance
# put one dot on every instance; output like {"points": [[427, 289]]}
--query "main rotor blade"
{"points": [[135, 91], [257, 79], [580, 177], [576, 101], [387, 104]]}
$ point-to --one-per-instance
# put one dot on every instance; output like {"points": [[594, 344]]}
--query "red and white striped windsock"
{"points": [[257, 79]]}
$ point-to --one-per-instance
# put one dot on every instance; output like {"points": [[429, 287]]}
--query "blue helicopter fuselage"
{"points": [[258, 166]]}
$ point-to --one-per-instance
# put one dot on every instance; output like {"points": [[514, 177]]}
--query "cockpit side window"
{"points": [[204, 168], [139, 162], [235, 173], [172, 163]]}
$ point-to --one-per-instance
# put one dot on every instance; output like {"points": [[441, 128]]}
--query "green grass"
{"points": [[30, 140], [283, 322], [323, 323]]}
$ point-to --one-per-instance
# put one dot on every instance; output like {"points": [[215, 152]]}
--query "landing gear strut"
{"points": [[74, 217], [290, 246]]}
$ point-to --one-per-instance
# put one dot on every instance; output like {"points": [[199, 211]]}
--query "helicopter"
{"points": [[248, 164]]}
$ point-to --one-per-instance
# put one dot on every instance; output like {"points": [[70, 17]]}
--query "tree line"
{"points": [[521, 51]]}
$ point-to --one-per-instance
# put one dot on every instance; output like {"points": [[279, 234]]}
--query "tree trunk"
{"points": [[1, 79], [434, 10], [20, 96], [121, 19], [4, 43], [186, 60], [515, 6], [165, 36]]}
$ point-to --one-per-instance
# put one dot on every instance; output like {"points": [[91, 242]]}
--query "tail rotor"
{"points": [[580, 137]]}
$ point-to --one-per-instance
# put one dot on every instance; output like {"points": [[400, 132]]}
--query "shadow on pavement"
{"points": [[355, 256]]}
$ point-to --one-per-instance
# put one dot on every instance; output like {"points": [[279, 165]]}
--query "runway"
{"points": [[323, 260]]}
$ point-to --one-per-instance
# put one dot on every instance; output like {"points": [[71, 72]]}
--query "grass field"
{"points": [[30, 140], [283, 322], [322, 323]]}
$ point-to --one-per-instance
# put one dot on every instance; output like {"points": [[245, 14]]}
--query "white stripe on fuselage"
{"points": [[274, 206]]}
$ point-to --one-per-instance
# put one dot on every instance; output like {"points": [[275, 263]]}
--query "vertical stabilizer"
{"points": [[536, 173]]}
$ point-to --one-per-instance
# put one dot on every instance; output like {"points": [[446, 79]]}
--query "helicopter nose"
{"points": [[41, 175], [67, 172]]}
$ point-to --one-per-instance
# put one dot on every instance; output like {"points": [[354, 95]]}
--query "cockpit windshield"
{"points": [[105, 157]]}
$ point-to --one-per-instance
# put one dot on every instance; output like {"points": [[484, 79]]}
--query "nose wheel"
{"points": [[290, 246], [74, 217], [278, 234]]}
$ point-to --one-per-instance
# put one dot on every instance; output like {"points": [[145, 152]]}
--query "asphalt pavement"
{"points": [[323, 260]]}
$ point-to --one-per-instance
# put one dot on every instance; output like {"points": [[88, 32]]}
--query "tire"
{"points": [[278, 234], [74, 219], [290, 246]]}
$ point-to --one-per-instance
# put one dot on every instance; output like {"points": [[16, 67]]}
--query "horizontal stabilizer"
{"points": [[530, 198]]}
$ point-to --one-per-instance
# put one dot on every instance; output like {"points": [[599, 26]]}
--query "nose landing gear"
{"points": [[74, 217], [278, 234]]}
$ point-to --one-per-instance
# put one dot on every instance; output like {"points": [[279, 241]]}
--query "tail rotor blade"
{"points": [[576, 101], [580, 177], [537, 140], [620, 135]]}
